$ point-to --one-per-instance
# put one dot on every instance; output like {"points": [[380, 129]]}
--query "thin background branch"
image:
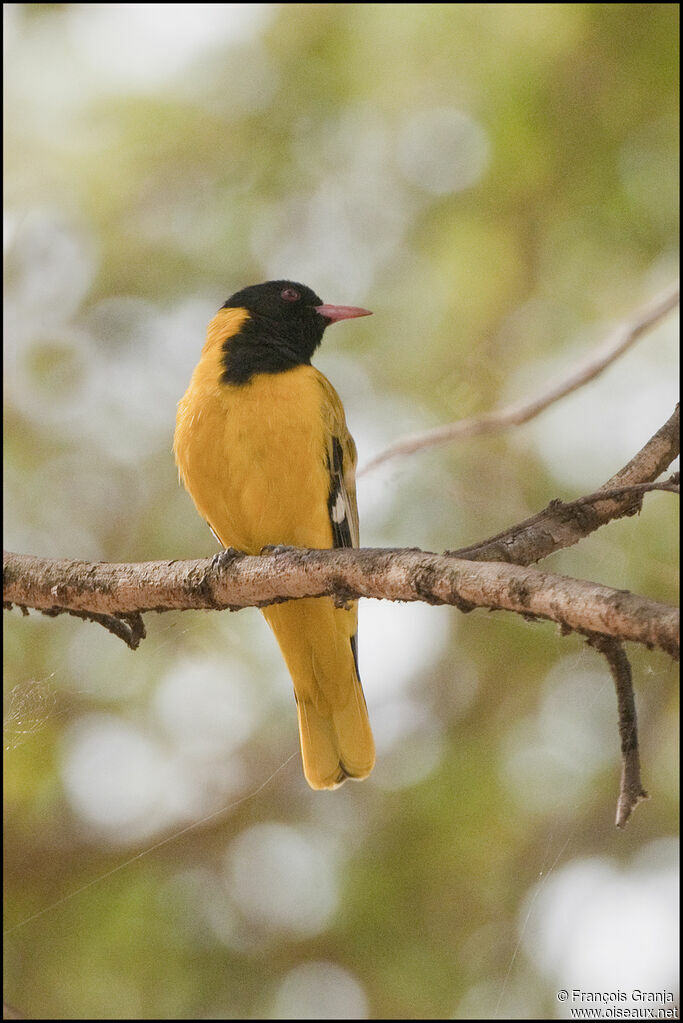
{"points": [[618, 341]]}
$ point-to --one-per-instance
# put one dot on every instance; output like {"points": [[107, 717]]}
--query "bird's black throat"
{"points": [[265, 345]]}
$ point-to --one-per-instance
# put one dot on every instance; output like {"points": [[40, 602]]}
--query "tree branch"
{"points": [[117, 595], [235, 580], [563, 524], [618, 341], [631, 790], [128, 627]]}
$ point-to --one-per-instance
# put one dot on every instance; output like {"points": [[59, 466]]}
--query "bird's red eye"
{"points": [[290, 295]]}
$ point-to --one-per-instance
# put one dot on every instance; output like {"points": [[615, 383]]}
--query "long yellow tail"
{"points": [[315, 640]]}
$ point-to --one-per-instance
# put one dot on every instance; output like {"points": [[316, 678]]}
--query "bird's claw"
{"points": [[225, 558]]}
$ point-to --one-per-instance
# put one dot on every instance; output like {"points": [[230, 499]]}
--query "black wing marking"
{"points": [[338, 507], [354, 650], [338, 499]]}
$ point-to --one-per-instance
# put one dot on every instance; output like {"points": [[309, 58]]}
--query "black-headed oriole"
{"points": [[262, 446]]}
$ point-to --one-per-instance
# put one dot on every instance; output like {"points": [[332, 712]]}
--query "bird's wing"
{"points": [[341, 464]]}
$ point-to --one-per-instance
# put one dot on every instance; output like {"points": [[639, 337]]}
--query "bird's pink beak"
{"points": [[340, 312]]}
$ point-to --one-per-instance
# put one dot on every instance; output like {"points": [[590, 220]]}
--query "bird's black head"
{"points": [[285, 326]]}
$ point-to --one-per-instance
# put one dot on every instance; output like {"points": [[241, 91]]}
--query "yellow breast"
{"points": [[253, 456]]}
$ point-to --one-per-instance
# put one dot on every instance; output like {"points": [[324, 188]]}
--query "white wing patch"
{"points": [[338, 509]]}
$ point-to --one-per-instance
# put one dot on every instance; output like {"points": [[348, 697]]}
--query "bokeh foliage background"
{"points": [[499, 183]]}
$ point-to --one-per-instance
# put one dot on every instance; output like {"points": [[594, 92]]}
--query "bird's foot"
{"points": [[226, 558], [276, 548]]}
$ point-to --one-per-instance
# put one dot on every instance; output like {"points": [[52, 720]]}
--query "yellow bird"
{"points": [[263, 449]]}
